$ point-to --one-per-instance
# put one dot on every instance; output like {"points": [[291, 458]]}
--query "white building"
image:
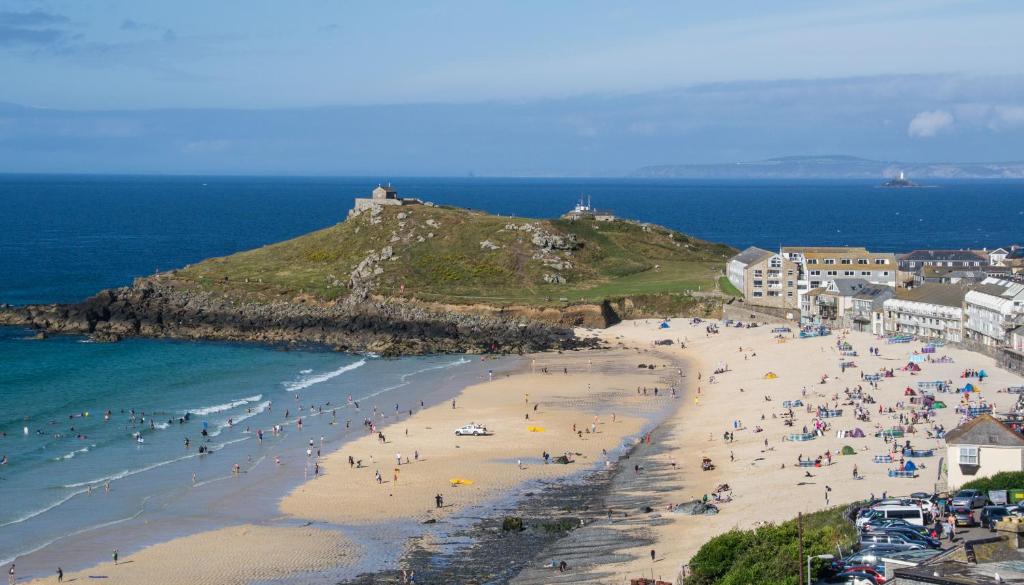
{"points": [[820, 264], [982, 447], [736, 268], [996, 257], [930, 311], [993, 309]]}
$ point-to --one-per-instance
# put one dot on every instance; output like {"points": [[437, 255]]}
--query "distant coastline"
{"points": [[833, 167]]}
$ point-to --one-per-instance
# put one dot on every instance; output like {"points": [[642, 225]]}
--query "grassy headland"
{"points": [[458, 256]]}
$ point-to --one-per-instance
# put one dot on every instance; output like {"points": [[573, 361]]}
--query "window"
{"points": [[758, 283], [881, 261], [758, 293], [815, 273], [886, 273], [815, 283], [789, 272], [789, 283], [830, 260], [833, 272], [812, 260], [865, 273], [865, 261], [758, 273], [846, 261], [968, 455], [773, 293], [789, 294], [775, 262], [848, 273]]}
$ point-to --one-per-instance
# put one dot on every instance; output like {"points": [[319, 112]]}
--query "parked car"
{"points": [[859, 574], [879, 524], [912, 514], [471, 429], [913, 535], [970, 498], [992, 514], [869, 557], [964, 516], [860, 578], [892, 538]]}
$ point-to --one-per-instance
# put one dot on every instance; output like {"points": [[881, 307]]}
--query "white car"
{"points": [[471, 429]]}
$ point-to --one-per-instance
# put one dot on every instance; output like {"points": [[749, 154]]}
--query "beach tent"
{"points": [[939, 404], [535, 429], [857, 433], [982, 375], [917, 359], [848, 450], [770, 376], [664, 325], [968, 388], [909, 466], [912, 367]]}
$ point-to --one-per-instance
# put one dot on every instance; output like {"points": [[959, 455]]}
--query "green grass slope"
{"points": [[460, 256]]}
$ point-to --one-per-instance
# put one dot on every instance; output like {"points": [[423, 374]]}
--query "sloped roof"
{"points": [[751, 255], [984, 430], [948, 295], [873, 291], [945, 255], [849, 286]]}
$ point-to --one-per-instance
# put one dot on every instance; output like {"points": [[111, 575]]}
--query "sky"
{"points": [[502, 87]]}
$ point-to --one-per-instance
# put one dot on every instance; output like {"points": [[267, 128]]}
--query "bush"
{"points": [[1004, 480], [769, 554]]}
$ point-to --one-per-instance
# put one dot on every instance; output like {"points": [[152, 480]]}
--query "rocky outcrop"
{"points": [[152, 308]]}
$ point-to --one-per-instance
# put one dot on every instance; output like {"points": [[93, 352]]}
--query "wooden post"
{"points": [[800, 545]]}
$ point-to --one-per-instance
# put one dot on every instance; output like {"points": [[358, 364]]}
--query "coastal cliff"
{"points": [[412, 280], [152, 309]]}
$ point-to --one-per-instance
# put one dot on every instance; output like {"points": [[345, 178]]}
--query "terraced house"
{"points": [[992, 310], [930, 311], [820, 264]]}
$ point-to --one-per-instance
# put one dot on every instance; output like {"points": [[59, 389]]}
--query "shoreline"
{"points": [[488, 495], [224, 501]]}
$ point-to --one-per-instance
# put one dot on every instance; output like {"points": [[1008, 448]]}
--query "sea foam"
{"points": [[311, 380], [205, 410]]}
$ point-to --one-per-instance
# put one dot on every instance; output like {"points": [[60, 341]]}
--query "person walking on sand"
{"points": [[11, 576], [652, 555], [60, 575], [115, 557], [438, 501]]}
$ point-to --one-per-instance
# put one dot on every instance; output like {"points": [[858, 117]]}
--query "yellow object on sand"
{"points": [[770, 376], [459, 481], [535, 429]]}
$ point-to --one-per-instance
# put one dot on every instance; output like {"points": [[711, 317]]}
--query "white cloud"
{"points": [[930, 123]]}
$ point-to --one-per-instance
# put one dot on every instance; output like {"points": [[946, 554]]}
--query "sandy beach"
{"points": [[233, 556], [588, 404], [585, 404], [767, 484]]}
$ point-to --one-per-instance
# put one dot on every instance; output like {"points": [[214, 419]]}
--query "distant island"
{"points": [[832, 167], [900, 181], [403, 276]]}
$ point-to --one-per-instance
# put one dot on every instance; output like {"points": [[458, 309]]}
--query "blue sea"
{"points": [[78, 417]]}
